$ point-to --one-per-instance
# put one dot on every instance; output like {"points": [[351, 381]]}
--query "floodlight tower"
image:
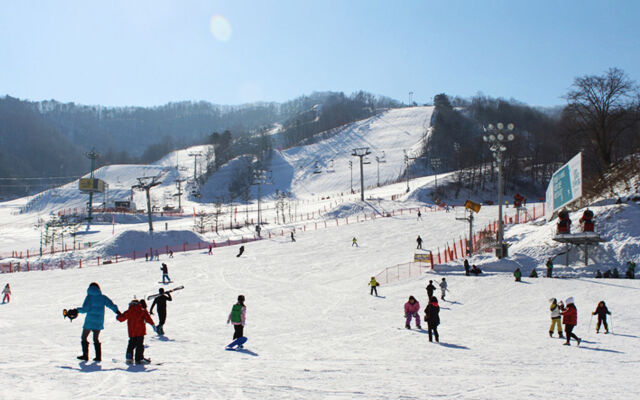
{"points": [[361, 152], [497, 136]]}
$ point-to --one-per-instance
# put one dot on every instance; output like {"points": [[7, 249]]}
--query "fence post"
{"points": [[134, 255], [98, 260], [61, 264], [184, 247], [81, 263], [41, 266], [116, 258]]}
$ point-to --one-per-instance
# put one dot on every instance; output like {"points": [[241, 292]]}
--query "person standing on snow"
{"points": [[602, 312], [430, 289], [432, 318], [93, 306], [467, 267], [374, 285], [411, 309], [419, 215], [6, 292], [570, 320], [136, 316], [354, 242], [549, 267], [419, 240], [161, 302], [443, 288], [293, 239], [165, 273], [517, 274], [555, 318], [237, 318]]}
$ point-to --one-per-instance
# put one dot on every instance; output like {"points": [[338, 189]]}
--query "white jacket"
{"points": [[555, 311]]}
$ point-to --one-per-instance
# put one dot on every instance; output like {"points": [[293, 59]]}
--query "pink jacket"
{"points": [[411, 308]]}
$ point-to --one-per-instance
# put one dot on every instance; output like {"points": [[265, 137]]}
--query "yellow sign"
{"points": [[422, 257], [470, 205], [91, 185]]}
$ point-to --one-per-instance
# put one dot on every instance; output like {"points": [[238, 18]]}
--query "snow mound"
{"points": [[128, 241]]}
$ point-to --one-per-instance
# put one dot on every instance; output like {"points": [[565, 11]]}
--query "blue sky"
{"points": [[146, 53]]}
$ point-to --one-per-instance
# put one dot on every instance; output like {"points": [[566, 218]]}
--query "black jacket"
{"points": [[161, 302], [431, 314]]}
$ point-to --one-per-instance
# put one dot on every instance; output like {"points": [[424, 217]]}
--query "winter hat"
{"points": [[241, 299], [569, 300]]}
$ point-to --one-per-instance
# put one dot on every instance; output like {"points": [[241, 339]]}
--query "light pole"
{"points": [[361, 152], [380, 160], [497, 136]]}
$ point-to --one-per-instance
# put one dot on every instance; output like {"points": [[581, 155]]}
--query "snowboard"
{"points": [[166, 291], [238, 342]]}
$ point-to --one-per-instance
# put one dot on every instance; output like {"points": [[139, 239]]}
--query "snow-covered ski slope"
{"points": [[316, 333], [323, 167]]}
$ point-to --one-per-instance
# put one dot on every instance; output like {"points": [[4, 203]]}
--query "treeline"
{"points": [[601, 119]]}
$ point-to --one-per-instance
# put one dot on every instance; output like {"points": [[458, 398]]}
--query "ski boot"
{"points": [[98, 348], [550, 333], [144, 361], [85, 352], [407, 326]]}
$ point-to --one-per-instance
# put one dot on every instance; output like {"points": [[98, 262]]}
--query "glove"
{"points": [[118, 313]]}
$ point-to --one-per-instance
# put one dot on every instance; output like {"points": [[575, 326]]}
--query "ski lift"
{"points": [[317, 168], [331, 168], [366, 160]]}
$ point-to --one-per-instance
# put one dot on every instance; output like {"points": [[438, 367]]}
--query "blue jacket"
{"points": [[93, 306]]}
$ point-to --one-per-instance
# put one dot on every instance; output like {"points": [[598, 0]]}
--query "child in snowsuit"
{"points": [[570, 320], [555, 318], [93, 306], [237, 318], [6, 298], [374, 285], [165, 273], [136, 316], [161, 302], [602, 312], [443, 288], [517, 274], [432, 318], [430, 289], [354, 242], [411, 309]]}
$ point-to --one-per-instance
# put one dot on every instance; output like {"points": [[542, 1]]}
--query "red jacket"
{"points": [[570, 315], [137, 316], [411, 308]]}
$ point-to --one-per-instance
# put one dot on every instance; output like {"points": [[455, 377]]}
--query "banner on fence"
{"points": [[423, 256]]}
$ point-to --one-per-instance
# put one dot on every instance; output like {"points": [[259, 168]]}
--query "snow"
{"points": [[314, 331]]}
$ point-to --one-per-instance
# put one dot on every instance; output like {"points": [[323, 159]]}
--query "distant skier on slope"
{"points": [[93, 305], [374, 285], [165, 273], [517, 274], [161, 302], [6, 292], [419, 240], [549, 267], [570, 320], [240, 252], [467, 267], [136, 316], [411, 309], [354, 242], [432, 318], [554, 308], [601, 311], [443, 288], [430, 289]]}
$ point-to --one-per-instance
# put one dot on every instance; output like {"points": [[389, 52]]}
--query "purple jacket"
{"points": [[411, 308]]}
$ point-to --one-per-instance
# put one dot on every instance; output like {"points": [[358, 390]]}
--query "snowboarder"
{"points": [[598, 274], [210, 249], [240, 252], [631, 270], [533, 273], [443, 289], [430, 289], [411, 309], [161, 302], [293, 239], [467, 268], [549, 267], [354, 242], [570, 320], [165, 273], [517, 274], [475, 270], [374, 285], [602, 312], [136, 316], [555, 318], [432, 318], [419, 215], [237, 318], [93, 306], [6, 298], [419, 240]]}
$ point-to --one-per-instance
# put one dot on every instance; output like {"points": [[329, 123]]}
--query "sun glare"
{"points": [[220, 28]]}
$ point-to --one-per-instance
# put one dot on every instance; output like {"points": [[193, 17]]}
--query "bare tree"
{"points": [[600, 108]]}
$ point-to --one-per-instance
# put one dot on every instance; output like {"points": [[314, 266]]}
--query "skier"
{"points": [[237, 318], [549, 267], [354, 242], [555, 317], [374, 285], [240, 252], [432, 318], [430, 289], [93, 306], [443, 288], [411, 309], [570, 320], [419, 215], [136, 316], [258, 229], [170, 253], [161, 302], [631, 270], [165, 273], [517, 274], [210, 249], [419, 240], [293, 239], [602, 312], [6, 298], [466, 267], [533, 273]]}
